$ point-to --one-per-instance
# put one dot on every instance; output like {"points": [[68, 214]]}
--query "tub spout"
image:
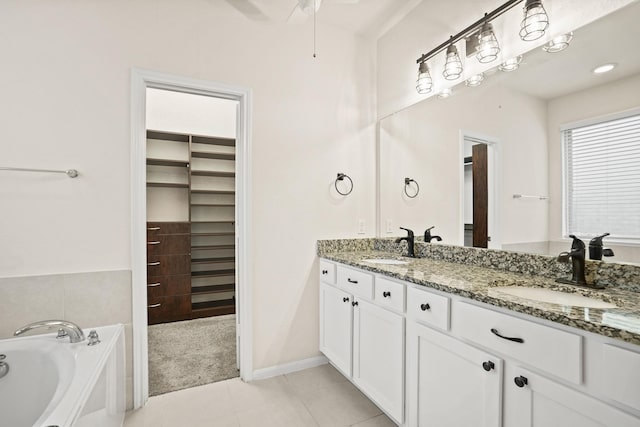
{"points": [[73, 330]]}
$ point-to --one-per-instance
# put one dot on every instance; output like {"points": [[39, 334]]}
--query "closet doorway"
{"points": [[190, 192]]}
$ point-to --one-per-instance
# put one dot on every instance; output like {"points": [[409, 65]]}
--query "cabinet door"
{"points": [[449, 383], [378, 354], [535, 401], [335, 327]]}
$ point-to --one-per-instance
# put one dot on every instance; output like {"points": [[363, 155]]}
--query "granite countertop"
{"points": [[484, 284]]}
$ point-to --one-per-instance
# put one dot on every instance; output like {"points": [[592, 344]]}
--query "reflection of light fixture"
{"points": [[511, 64], [558, 43], [424, 82], [535, 21], [309, 6], [605, 68], [475, 80], [453, 66], [444, 93], [488, 47]]}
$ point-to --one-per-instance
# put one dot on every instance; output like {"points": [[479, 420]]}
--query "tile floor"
{"points": [[315, 397]]}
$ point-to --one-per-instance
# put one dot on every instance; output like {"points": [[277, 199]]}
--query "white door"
{"points": [[449, 383], [378, 354], [535, 401], [335, 327]]}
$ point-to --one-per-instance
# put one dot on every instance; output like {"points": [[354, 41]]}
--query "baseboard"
{"points": [[286, 368]]}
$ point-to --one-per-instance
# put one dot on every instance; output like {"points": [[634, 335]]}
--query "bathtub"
{"points": [[52, 382]]}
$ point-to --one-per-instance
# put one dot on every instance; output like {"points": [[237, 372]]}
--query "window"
{"points": [[602, 179]]}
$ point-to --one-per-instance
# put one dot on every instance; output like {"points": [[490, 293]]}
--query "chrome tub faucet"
{"points": [[72, 330]]}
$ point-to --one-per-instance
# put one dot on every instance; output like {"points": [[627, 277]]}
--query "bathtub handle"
{"points": [[154, 305]]}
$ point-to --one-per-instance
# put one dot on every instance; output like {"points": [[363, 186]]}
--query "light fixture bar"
{"points": [[471, 28]]}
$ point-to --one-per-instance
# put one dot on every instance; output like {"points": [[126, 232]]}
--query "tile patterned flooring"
{"points": [[315, 397]]}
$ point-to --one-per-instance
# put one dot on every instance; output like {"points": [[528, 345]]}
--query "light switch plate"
{"points": [[389, 226], [361, 226]]}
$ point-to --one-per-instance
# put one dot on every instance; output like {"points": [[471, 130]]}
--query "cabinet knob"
{"points": [[488, 365], [325, 271], [386, 294], [425, 307], [345, 299], [521, 381], [354, 303]]}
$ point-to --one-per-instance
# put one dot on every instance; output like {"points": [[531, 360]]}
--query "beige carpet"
{"points": [[191, 353]]}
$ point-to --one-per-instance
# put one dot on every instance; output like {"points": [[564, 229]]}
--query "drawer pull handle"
{"points": [[386, 294], [425, 307], [153, 285], [154, 305], [345, 299], [325, 271], [151, 264], [488, 365], [153, 228], [351, 281], [521, 381], [496, 333], [354, 303], [153, 243]]}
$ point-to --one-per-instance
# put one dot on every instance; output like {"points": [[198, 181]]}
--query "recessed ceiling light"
{"points": [[604, 68]]}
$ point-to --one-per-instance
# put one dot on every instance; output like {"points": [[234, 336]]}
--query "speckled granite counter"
{"points": [[483, 284]]}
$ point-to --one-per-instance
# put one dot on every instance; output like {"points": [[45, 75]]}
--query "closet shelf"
{"points": [[213, 173], [167, 184], [213, 155], [212, 308], [214, 273], [213, 191], [212, 247], [218, 260], [227, 221], [227, 142], [221, 233], [168, 162], [223, 205], [213, 289]]}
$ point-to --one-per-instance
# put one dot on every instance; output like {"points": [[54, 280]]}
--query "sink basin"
{"points": [[386, 261], [554, 297]]}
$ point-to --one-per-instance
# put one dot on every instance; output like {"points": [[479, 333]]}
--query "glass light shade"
{"points": [[309, 6], [445, 93], [511, 64], [488, 48], [558, 43], [535, 21], [424, 82], [474, 81], [453, 65]]}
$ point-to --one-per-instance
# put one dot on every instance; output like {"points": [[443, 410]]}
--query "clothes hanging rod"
{"points": [[471, 28], [71, 173], [524, 196]]}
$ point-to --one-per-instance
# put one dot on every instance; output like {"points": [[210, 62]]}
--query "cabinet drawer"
{"points": [[549, 349], [161, 228], [428, 308], [621, 375], [355, 282], [162, 286], [169, 244], [165, 265], [327, 272], [389, 294], [169, 309]]}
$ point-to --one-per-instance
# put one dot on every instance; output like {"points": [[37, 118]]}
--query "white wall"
{"points": [[620, 95], [423, 142], [432, 21], [66, 103]]}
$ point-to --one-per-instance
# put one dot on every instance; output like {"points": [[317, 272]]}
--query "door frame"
{"points": [[493, 176], [141, 80]]}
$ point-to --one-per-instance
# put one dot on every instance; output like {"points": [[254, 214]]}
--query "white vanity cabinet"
{"points": [[336, 326]]}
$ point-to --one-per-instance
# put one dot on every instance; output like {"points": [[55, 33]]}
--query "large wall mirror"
{"points": [[509, 129]]}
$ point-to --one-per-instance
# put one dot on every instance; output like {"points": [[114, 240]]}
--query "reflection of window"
{"points": [[602, 179]]}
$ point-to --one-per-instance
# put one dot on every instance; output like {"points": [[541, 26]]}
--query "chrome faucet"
{"points": [[410, 242], [73, 330]]}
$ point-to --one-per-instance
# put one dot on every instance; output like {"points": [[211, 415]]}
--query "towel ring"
{"points": [[341, 177], [407, 183]]}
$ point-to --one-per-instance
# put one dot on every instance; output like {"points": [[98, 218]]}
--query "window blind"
{"points": [[602, 179]]}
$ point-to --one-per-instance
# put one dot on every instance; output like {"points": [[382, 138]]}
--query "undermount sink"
{"points": [[554, 297], [387, 261]]}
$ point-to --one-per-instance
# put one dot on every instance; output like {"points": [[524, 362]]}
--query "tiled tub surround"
{"points": [[478, 274], [90, 299]]}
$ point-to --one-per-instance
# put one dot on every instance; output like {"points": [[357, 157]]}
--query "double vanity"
{"points": [[469, 337]]}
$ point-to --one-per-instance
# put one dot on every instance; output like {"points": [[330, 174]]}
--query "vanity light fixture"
{"points": [[453, 65], [604, 68], [424, 82], [475, 80], [488, 47], [511, 64], [445, 93], [558, 43], [535, 21]]}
